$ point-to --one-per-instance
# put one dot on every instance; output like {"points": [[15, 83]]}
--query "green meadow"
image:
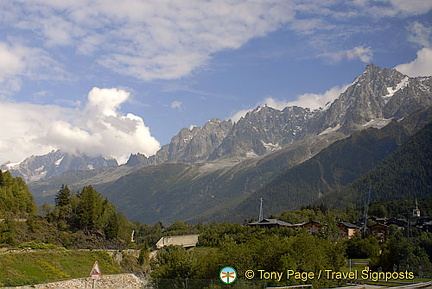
{"points": [[42, 266]]}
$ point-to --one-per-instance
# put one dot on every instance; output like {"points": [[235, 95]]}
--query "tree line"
{"points": [[84, 219]]}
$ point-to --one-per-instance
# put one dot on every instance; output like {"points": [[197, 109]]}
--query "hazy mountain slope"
{"points": [[406, 173], [174, 191], [336, 166]]}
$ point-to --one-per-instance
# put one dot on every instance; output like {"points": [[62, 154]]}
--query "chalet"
{"points": [[427, 226], [312, 227], [400, 223], [379, 231], [186, 241], [347, 229], [423, 223], [270, 223]]}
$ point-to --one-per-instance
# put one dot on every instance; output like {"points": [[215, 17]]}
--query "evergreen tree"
{"points": [[89, 209], [15, 198], [62, 198]]}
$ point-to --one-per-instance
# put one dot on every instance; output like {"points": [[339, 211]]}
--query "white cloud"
{"points": [[22, 123], [99, 129], [420, 34], [421, 66], [361, 53], [11, 63], [239, 114], [307, 100], [160, 39], [17, 61], [150, 39], [105, 101], [310, 26], [411, 7], [393, 8], [176, 104]]}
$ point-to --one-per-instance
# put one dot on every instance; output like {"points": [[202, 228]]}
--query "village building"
{"points": [[312, 227], [185, 241], [347, 230], [400, 223], [270, 223], [379, 231]]}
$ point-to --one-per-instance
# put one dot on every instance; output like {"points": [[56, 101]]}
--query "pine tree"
{"points": [[62, 198], [90, 209]]}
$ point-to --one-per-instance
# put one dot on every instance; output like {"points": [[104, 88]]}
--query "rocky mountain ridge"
{"points": [[55, 163], [204, 167], [372, 100]]}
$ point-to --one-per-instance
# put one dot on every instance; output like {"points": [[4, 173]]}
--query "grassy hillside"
{"points": [[42, 266]]}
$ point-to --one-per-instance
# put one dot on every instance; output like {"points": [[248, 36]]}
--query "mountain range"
{"points": [[54, 163], [290, 157]]}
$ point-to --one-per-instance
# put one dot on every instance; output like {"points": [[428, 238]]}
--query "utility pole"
{"points": [[366, 211], [260, 217]]}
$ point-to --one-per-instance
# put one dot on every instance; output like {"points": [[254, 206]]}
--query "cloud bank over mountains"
{"points": [[97, 129]]}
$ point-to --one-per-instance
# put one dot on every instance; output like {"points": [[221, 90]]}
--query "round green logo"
{"points": [[228, 275]]}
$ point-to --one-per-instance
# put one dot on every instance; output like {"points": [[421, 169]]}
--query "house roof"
{"points": [[271, 222], [348, 225], [185, 241], [378, 225]]}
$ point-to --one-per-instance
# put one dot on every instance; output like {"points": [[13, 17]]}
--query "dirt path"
{"points": [[104, 281]]}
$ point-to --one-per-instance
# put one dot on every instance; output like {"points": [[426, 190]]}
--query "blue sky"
{"points": [[118, 77]]}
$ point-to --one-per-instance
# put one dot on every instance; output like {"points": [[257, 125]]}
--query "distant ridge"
{"points": [[55, 163]]}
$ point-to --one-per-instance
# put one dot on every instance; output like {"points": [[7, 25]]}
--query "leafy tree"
{"points": [[174, 262], [363, 248], [8, 233], [403, 253]]}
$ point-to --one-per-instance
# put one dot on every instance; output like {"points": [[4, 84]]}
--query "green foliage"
{"points": [[404, 174], [38, 246], [8, 232], [174, 262], [406, 253], [89, 209], [358, 248], [80, 220], [63, 197], [270, 252], [36, 267], [15, 198]]}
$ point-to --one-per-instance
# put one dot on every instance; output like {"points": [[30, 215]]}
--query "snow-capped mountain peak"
{"points": [[35, 168]]}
